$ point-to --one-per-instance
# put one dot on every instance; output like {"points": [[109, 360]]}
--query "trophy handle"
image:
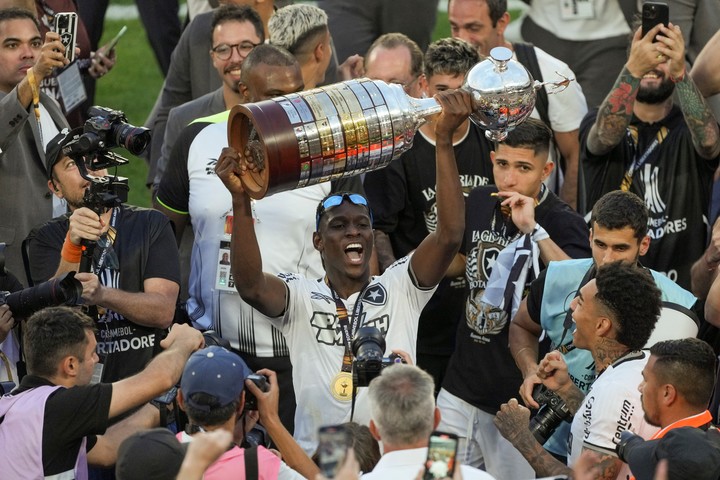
{"points": [[556, 86]]}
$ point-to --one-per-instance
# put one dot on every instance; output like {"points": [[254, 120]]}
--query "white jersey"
{"points": [[391, 302], [611, 406], [291, 212]]}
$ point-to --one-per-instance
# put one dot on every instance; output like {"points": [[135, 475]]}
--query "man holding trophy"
{"points": [[319, 317]]}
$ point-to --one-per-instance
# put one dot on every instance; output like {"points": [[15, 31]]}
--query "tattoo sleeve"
{"points": [[608, 467], [573, 398], [614, 114], [544, 464], [700, 120]]}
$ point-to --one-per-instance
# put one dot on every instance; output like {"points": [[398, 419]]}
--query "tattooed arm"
{"points": [[700, 121], [617, 109]]}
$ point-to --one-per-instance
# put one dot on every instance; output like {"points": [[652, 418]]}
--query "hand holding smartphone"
{"points": [[654, 13], [333, 444], [442, 451], [66, 27]]}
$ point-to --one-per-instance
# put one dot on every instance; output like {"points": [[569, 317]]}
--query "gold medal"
{"points": [[341, 387]]}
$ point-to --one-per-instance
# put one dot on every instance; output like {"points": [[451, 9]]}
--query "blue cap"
{"points": [[216, 372]]}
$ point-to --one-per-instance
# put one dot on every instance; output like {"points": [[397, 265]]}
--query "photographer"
{"points": [[29, 119], [134, 274], [56, 423], [215, 392], [614, 315]]}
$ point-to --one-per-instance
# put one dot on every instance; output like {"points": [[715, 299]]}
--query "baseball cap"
{"points": [[53, 151], [151, 455], [691, 453], [214, 371]]}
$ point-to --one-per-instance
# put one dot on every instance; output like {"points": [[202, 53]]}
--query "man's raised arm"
{"points": [[264, 292], [436, 252]]}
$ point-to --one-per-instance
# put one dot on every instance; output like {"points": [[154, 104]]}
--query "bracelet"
{"points": [[71, 253], [35, 92], [678, 79], [521, 350], [539, 233]]}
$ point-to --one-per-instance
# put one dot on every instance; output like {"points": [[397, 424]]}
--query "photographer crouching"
{"points": [[614, 315]]}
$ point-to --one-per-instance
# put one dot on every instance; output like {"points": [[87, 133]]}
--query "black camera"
{"points": [[64, 290], [553, 410], [628, 441], [368, 348], [107, 128], [262, 383]]}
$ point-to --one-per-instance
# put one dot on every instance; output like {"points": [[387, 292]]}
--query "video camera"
{"points": [[368, 348], [105, 129]]}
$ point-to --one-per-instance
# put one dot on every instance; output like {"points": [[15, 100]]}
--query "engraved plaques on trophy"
{"points": [[361, 125]]}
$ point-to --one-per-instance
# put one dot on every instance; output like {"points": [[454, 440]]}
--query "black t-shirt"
{"points": [[674, 181], [146, 248], [402, 197], [70, 415], [481, 371]]}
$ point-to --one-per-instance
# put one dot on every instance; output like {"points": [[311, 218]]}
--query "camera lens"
{"points": [[133, 139]]}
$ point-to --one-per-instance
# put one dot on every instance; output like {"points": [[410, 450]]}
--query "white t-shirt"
{"points": [[611, 406], [391, 302], [581, 20]]}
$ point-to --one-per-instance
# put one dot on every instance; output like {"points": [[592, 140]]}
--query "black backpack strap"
{"points": [[526, 55], [252, 471]]}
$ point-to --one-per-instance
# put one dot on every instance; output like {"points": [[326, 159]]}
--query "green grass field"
{"points": [[134, 83]]}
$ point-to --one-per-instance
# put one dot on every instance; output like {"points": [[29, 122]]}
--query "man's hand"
{"points": [[183, 336], [456, 108], [522, 209], [205, 448], [7, 322], [92, 289], [353, 67], [101, 62], [672, 45], [645, 55], [553, 371], [267, 401], [230, 167], [526, 390], [513, 420], [52, 55], [85, 225]]}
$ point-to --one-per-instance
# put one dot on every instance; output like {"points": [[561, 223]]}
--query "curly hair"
{"points": [[688, 365], [450, 56], [618, 209], [632, 301]]}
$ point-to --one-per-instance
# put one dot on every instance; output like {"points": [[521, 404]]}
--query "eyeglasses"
{"points": [[335, 200], [224, 51], [408, 85]]}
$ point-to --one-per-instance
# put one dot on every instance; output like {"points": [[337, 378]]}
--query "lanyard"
{"points": [[638, 162], [108, 242], [348, 327]]}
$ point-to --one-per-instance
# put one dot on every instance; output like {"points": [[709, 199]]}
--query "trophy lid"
{"points": [[503, 93]]}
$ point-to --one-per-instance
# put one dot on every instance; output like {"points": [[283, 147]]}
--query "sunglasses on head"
{"points": [[335, 200]]}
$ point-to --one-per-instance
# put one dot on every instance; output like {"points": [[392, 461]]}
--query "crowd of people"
{"points": [[570, 268]]}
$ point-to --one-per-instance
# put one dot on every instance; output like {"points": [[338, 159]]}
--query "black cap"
{"points": [[691, 453], [53, 151], [151, 455]]}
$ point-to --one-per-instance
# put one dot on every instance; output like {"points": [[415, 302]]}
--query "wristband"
{"points": [[539, 233], [71, 253], [678, 79]]}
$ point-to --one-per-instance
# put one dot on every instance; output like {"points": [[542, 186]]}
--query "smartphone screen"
{"points": [[442, 450], [334, 442], [654, 13]]}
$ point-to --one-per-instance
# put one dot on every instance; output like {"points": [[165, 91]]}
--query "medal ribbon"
{"points": [[638, 162], [347, 328]]}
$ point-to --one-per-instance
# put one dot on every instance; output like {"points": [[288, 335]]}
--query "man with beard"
{"points": [[134, 275], [639, 141], [619, 232]]}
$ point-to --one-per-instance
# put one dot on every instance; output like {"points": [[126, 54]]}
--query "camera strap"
{"points": [[106, 242]]}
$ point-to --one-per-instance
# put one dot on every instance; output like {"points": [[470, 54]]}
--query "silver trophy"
{"points": [[361, 125]]}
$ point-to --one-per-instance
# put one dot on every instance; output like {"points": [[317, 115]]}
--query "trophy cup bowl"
{"points": [[361, 125]]}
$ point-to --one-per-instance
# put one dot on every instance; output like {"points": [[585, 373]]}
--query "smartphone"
{"points": [[333, 444], [442, 451], [66, 27], [654, 13], [111, 44]]}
